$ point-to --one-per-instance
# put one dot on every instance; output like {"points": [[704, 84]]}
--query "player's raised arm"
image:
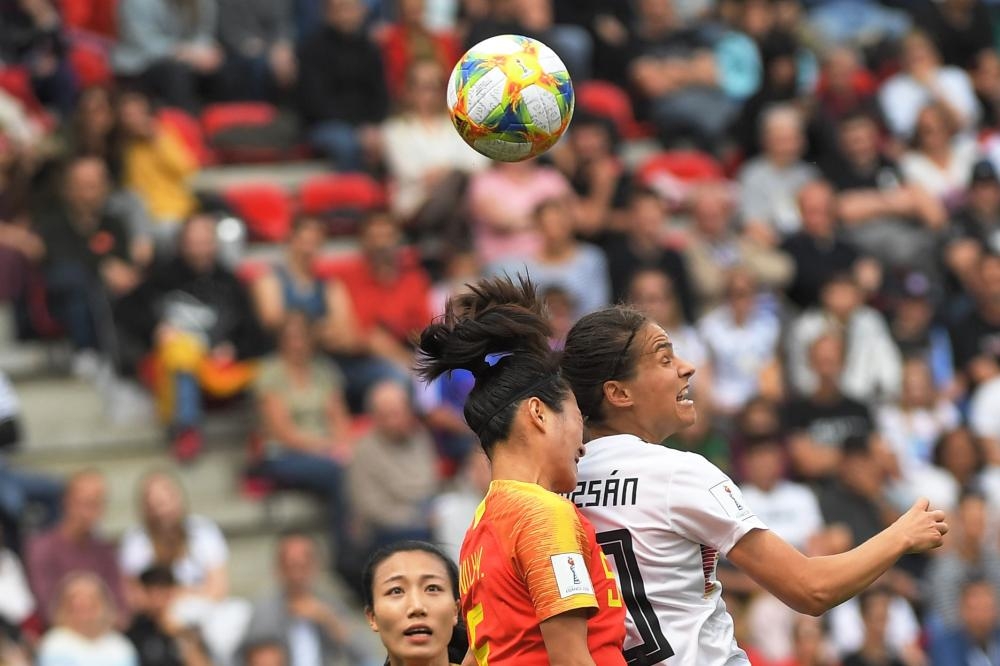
{"points": [[814, 585]]}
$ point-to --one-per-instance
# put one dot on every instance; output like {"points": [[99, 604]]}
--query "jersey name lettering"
{"points": [[605, 492]]}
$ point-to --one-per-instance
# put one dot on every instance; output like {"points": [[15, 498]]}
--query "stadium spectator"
{"points": [[846, 88], [292, 285], [882, 216], [874, 650], [770, 182], [986, 82], [856, 496], [959, 453], [18, 245], [440, 404], [390, 293], [818, 425], [32, 36], [20, 489], [810, 643], [83, 627], [305, 423], [156, 165], [856, 22], [917, 329], [741, 337], [409, 40], [196, 318], [265, 653], [961, 29], [977, 639], [642, 244], [454, 509], [168, 47], [257, 40], [872, 362], [589, 159], [75, 544], [158, 638], [817, 250], [975, 337], [299, 614], [562, 261], [428, 162], [790, 508], [922, 80], [911, 427], [940, 160], [17, 604], [93, 130], [653, 292], [679, 77], [394, 473], [973, 551], [501, 200], [342, 93], [714, 247], [195, 551], [87, 260], [975, 228]]}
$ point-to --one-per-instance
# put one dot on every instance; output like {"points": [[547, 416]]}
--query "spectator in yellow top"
{"points": [[156, 165]]}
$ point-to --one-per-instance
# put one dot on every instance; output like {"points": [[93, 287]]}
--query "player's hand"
{"points": [[921, 528]]}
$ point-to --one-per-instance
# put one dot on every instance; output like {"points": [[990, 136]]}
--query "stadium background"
{"points": [[805, 194]]}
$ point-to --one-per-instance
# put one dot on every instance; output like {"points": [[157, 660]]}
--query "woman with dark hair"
{"points": [[411, 599], [664, 516], [535, 585]]}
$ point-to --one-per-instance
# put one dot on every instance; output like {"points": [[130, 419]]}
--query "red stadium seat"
{"points": [[16, 81], [189, 130], [266, 209], [219, 117], [92, 16], [607, 100], [340, 199]]}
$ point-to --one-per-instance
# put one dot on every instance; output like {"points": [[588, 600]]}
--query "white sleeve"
{"points": [[984, 410], [135, 553], [705, 506], [956, 87], [208, 546]]}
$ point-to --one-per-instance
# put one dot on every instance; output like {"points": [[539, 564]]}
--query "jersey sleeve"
{"points": [[551, 550], [706, 506]]}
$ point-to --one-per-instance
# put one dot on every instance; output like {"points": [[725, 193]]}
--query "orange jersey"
{"points": [[529, 556]]}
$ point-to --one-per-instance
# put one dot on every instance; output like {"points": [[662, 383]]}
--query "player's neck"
{"points": [[441, 660], [515, 466]]}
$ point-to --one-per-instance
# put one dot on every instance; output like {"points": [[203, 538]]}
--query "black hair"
{"points": [[600, 348], [267, 642], [157, 575], [459, 643], [943, 442], [497, 332]]}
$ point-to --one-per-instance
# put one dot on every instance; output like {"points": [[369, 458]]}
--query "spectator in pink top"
{"points": [[503, 200]]}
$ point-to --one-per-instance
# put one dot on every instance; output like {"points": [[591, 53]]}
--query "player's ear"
{"points": [[458, 609], [617, 394], [372, 622], [537, 412]]}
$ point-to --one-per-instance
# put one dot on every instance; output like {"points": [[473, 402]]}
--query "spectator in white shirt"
{"points": [[924, 80], [941, 159], [82, 633]]}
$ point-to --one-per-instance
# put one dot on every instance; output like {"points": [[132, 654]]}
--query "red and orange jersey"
{"points": [[530, 556]]}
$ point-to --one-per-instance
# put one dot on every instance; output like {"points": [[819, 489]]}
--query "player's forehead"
{"points": [[653, 339]]}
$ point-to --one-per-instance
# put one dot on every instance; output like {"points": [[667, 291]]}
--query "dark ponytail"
{"points": [[601, 347], [496, 331]]}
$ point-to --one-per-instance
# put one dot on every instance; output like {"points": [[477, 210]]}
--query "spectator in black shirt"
{"points": [[975, 338], [643, 246], [874, 651], [856, 497], [816, 250], [87, 259], [986, 82], [157, 637], [31, 35], [883, 217], [342, 90], [975, 229], [820, 424], [961, 29], [256, 36]]}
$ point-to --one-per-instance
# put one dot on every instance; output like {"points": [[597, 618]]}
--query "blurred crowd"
{"points": [[804, 193]]}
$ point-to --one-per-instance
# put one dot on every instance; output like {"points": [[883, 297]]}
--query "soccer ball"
{"points": [[510, 97]]}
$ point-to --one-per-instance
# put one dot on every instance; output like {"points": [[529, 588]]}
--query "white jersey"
{"points": [[663, 517]]}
